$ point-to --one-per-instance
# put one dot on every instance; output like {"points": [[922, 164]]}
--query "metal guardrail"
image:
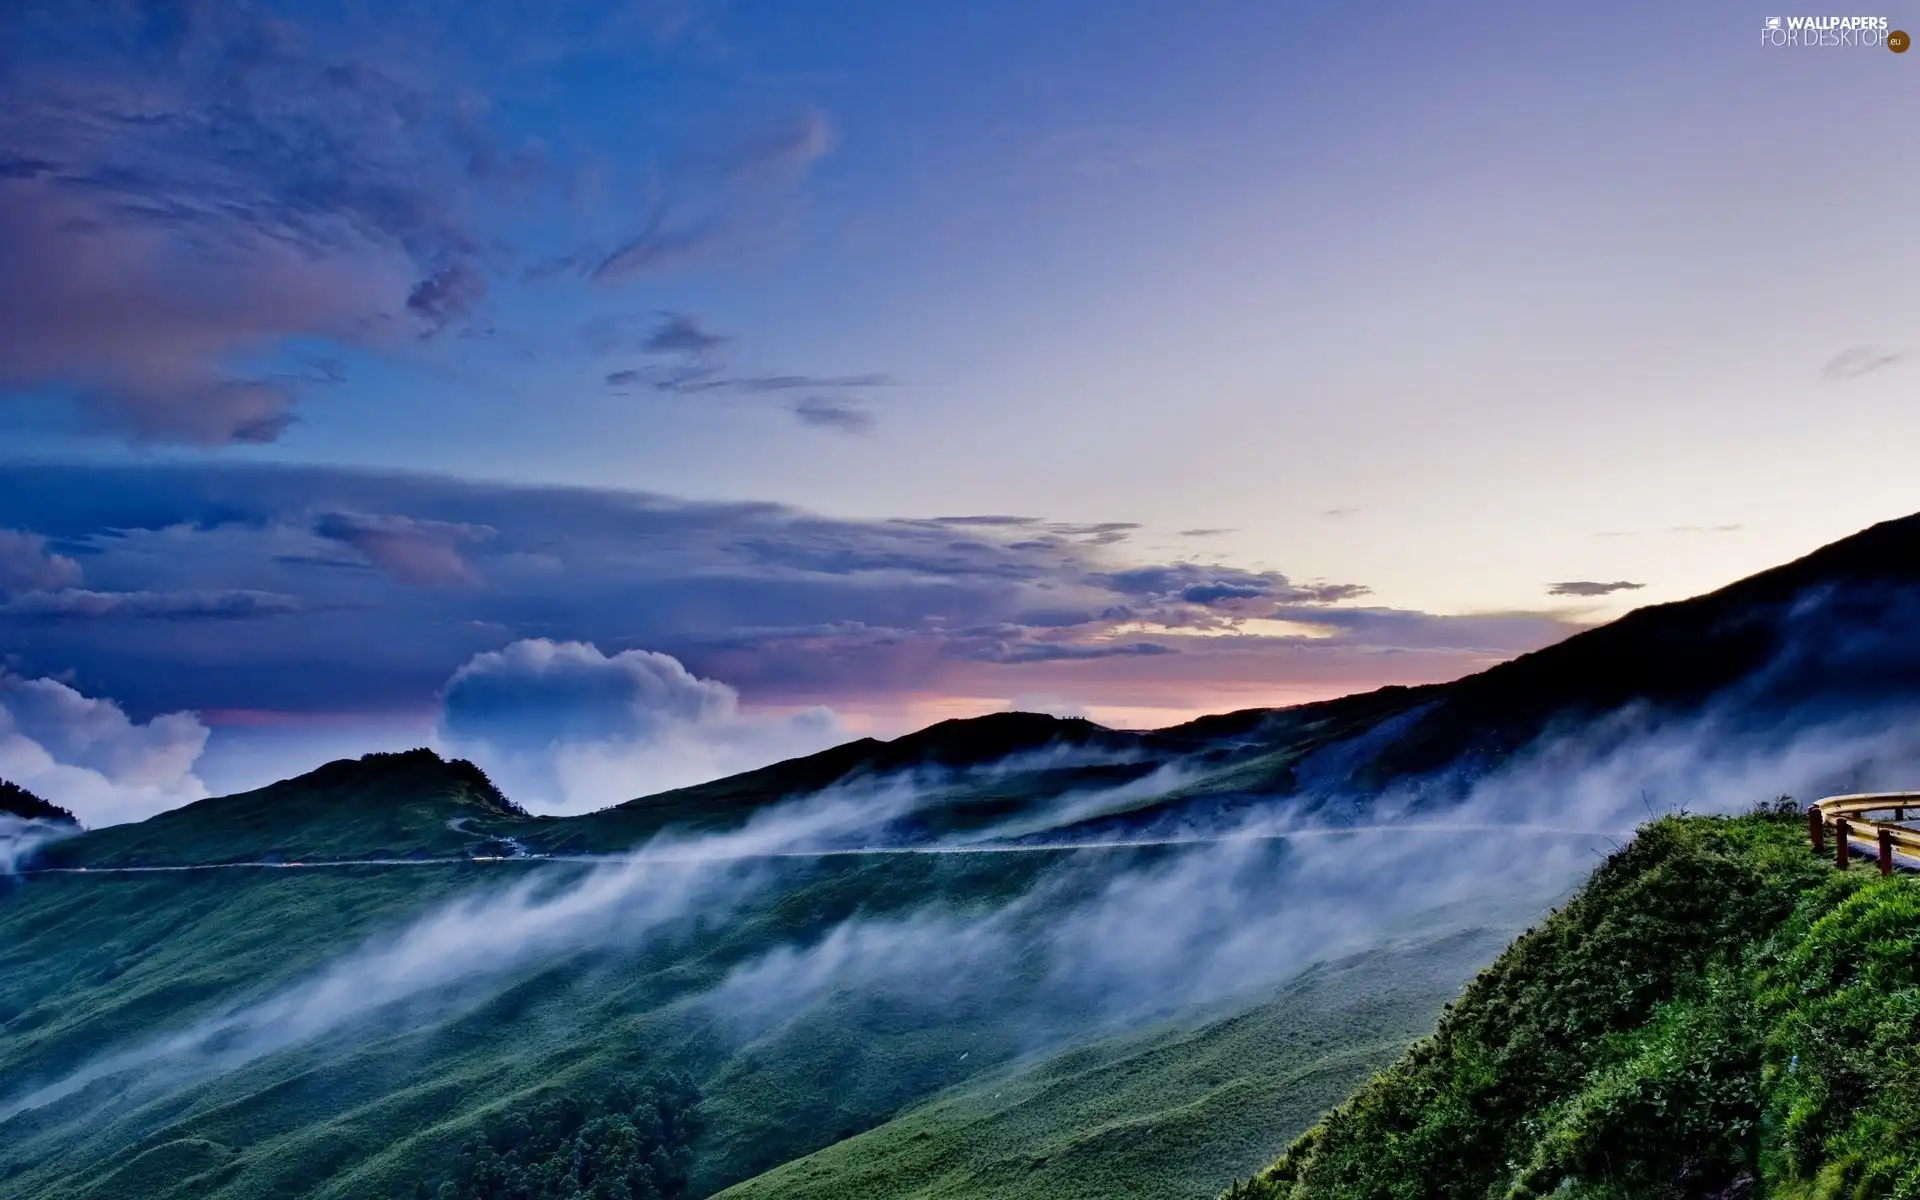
{"points": [[1847, 817]]}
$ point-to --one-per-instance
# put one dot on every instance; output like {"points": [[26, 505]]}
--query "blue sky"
{"points": [[1313, 348]]}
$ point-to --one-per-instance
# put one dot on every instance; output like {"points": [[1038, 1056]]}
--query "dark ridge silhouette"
{"points": [[419, 766], [1831, 629], [20, 802]]}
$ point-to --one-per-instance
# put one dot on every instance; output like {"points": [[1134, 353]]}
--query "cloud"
{"points": [[192, 195], [1674, 529], [685, 360], [1203, 533], [1093, 942], [1037, 652], [679, 333], [1220, 587], [21, 838], [790, 607], [1856, 362], [231, 604], [723, 195], [1588, 587], [135, 318], [413, 551], [25, 564], [836, 415], [84, 754], [567, 728], [186, 192]]}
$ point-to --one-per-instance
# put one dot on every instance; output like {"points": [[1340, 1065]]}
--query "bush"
{"points": [[626, 1145]]}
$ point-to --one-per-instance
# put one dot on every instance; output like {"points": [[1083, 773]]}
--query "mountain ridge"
{"points": [[1822, 628]]}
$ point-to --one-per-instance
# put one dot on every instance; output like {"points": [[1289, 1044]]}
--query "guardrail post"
{"points": [[1886, 851], [1842, 845], [1817, 828]]}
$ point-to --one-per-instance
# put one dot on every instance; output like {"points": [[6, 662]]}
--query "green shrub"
{"points": [[1719, 1014], [627, 1145]]}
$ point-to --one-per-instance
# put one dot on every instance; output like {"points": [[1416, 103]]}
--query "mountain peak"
{"points": [[19, 802], [419, 768]]}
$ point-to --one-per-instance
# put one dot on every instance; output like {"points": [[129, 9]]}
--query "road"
{"points": [[667, 855]]}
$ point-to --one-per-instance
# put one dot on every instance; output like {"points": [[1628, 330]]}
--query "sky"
{"points": [[626, 393]]}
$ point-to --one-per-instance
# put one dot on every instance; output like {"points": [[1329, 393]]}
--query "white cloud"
{"points": [[86, 755], [25, 563], [566, 728]]}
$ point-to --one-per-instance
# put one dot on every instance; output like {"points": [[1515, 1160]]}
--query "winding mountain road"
{"points": [[671, 855]]}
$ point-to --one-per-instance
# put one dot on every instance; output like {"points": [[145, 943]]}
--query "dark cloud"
{"points": [[27, 565], [415, 551], [784, 604], [665, 332], [1039, 652], [1588, 587], [686, 360], [1855, 362], [185, 187], [195, 183], [1201, 533], [679, 333], [1228, 587], [839, 416], [226, 605]]}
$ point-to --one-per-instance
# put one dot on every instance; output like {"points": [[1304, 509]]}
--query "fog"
{"points": [[1105, 937], [21, 837]]}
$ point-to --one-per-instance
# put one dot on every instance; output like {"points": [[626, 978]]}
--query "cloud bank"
{"points": [[565, 728], [87, 756], [394, 581]]}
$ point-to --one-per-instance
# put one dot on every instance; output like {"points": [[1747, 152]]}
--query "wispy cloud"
{"points": [[1857, 362], [685, 358], [189, 194], [1589, 587]]}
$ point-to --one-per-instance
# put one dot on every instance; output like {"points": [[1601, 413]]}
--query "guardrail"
{"points": [[1847, 817]]}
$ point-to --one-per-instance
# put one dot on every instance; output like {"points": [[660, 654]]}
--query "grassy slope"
{"points": [[1168, 1113], [1718, 1014], [93, 965], [413, 805], [381, 806]]}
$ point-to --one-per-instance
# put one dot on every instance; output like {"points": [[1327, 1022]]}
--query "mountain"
{"points": [[411, 804], [1829, 630], [19, 802], [367, 981], [1164, 1112], [1717, 1014]]}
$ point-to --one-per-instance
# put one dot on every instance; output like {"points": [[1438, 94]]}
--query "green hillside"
{"points": [[1718, 1014], [1163, 1113]]}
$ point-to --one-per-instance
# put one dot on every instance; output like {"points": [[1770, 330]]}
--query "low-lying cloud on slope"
{"points": [[1102, 939]]}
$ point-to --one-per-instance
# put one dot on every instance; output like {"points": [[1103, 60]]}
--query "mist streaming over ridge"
{"points": [[1101, 937], [20, 837]]}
